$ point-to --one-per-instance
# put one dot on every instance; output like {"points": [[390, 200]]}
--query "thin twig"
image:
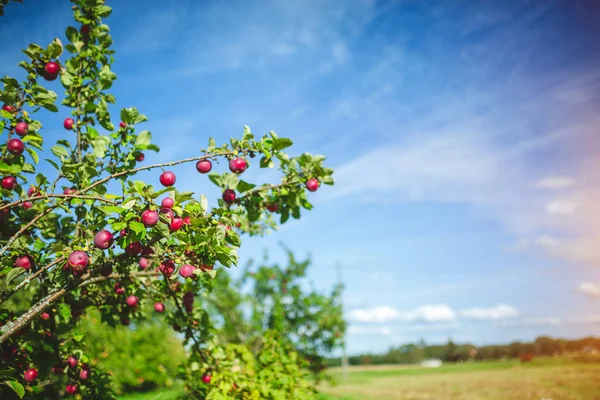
{"points": [[51, 195]]}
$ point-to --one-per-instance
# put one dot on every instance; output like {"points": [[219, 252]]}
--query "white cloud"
{"points": [[589, 289], [556, 182], [431, 313], [374, 314], [369, 330], [498, 312], [562, 207]]}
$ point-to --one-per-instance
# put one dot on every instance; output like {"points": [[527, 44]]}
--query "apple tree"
{"points": [[79, 231]]}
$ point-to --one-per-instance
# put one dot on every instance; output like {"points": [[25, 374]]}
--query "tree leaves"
{"points": [[16, 387]]}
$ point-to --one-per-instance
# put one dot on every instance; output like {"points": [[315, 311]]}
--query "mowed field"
{"points": [[541, 379]]}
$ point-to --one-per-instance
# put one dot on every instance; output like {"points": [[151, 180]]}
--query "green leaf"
{"points": [[204, 203], [64, 311], [72, 34], [111, 209], [100, 145], [16, 387], [103, 11], [128, 115], [33, 154], [59, 151], [55, 49], [216, 178], [128, 205], [143, 139], [137, 227], [13, 273], [66, 78], [244, 186], [281, 143], [55, 165]]}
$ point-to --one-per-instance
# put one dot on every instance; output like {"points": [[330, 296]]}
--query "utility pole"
{"points": [[344, 355]]}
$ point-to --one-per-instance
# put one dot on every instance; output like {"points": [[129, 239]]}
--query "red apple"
{"points": [[57, 369], [206, 378], [204, 166], [122, 124], [144, 263], [78, 260], [167, 178], [312, 184], [167, 267], [186, 270], [9, 108], [21, 128], [15, 146], [272, 207], [45, 316], [118, 288], [9, 182], [84, 374], [103, 239], [30, 375], [167, 202], [132, 301], [237, 165], [72, 361], [51, 68], [24, 262], [133, 249], [159, 307], [68, 123], [187, 221], [149, 218], [176, 224], [139, 157], [228, 196], [71, 389]]}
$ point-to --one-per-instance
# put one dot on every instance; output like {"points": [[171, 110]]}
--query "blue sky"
{"points": [[463, 135]]}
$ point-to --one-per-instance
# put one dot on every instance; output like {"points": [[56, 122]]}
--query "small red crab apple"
{"points": [[167, 267], [133, 249], [72, 361], [149, 218], [69, 191], [78, 260], [186, 270], [159, 307], [84, 374], [238, 165], [21, 128], [206, 378], [30, 375], [9, 108], [167, 202], [51, 68], [139, 157], [122, 124], [118, 288], [68, 123], [24, 262], [312, 184], [9, 182], [57, 369], [103, 239], [71, 389], [132, 301], [144, 263], [176, 224], [167, 178], [45, 316], [228, 196], [187, 221], [272, 207], [15, 146], [204, 166]]}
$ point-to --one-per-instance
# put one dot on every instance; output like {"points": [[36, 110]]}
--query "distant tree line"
{"points": [[413, 353]]}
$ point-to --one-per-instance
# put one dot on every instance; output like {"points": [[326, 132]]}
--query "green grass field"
{"points": [[542, 379]]}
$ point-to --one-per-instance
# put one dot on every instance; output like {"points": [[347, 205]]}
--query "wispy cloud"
{"points": [[590, 289], [431, 313]]}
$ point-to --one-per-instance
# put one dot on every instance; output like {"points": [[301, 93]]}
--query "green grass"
{"points": [[555, 379], [551, 378]]}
